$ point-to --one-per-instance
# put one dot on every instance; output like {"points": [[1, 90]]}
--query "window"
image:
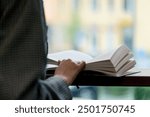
{"points": [[128, 37], [75, 4], [111, 5], [94, 5], [129, 5]]}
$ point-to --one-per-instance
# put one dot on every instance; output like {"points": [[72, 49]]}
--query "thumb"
{"points": [[82, 65]]}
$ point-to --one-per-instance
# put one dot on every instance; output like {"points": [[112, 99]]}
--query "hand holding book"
{"points": [[114, 63]]}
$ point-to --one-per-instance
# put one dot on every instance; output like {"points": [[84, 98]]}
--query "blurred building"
{"points": [[94, 26], [89, 25], [142, 32]]}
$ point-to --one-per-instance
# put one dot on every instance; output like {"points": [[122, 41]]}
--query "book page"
{"points": [[102, 58], [69, 54], [107, 56], [115, 55]]}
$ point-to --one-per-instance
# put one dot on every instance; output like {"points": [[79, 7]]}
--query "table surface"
{"points": [[88, 78]]}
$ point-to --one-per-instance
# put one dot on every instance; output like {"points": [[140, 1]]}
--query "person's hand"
{"points": [[68, 70]]}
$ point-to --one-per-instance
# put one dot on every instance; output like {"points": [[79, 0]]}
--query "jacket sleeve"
{"points": [[53, 88]]}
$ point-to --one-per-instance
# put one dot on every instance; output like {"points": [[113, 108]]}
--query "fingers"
{"points": [[81, 64], [59, 62], [69, 69]]}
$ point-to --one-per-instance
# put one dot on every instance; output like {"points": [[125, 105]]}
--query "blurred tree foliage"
{"points": [[73, 29], [142, 93], [117, 91]]}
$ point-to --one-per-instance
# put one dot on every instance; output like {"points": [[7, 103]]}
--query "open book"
{"points": [[114, 63]]}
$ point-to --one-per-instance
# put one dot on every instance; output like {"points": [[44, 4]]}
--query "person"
{"points": [[23, 55]]}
